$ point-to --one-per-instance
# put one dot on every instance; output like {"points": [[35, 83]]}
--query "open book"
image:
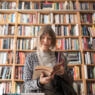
{"points": [[48, 71]]}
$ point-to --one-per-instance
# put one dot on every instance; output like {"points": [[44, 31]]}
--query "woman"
{"points": [[44, 56]]}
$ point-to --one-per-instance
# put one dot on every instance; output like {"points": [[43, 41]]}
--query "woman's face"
{"points": [[45, 42]]}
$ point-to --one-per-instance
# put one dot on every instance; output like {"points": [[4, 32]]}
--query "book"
{"points": [[47, 5], [48, 71]]}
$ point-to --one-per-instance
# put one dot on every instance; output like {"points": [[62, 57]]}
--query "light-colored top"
{"points": [[47, 59]]}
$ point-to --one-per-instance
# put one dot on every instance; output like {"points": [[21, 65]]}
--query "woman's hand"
{"points": [[59, 69], [44, 79]]}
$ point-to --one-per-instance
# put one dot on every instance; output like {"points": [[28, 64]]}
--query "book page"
{"points": [[41, 69]]}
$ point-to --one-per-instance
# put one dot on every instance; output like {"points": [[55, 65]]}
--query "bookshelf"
{"points": [[74, 24]]}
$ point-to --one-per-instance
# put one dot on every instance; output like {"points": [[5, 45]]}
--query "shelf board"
{"points": [[26, 37], [52, 50], [5, 80], [90, 80], [87, 11], [46, 11], [68, 50], [8, 11], [41, 24], [6, 36], [89, 50], [87, 24], [58, 11], [65, 24], [70, 65], [6, 50], [90, 65], [58, 37], [87, 36], [17, 65], [75, 37], [6, 64], [32, 24], [18, 80], [7, 23], [26, 50], [74, 64]]}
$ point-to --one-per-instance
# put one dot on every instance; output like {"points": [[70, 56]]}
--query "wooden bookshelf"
{"points": [[74, 24]]}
